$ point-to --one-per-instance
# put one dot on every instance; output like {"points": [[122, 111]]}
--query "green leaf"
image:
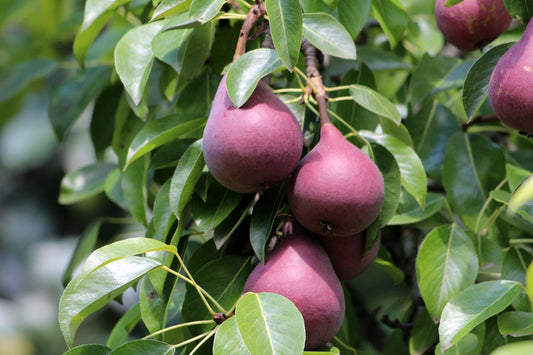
{"points": [[84, 183], [247, 70], [264, 214], [476, 85], [91, 349], [14, 79], [515, 264], [205, 10], [446, 264], [285, 18], [86, 36], [466, 345], [181, 21], [185, 177], [84, 295], [85, 246], [529, 282], [170, 7], [409, 211], [123, 328], [516, 175], [193, 54], [392, 18], [472, 167], [519, 9], [134, 189], [516, 324], [474, 305], [392, 178], [228, 339], [326, 33], [523, 194], [268, 322], [103, 118], [113, 188], [144, 347], [168, 45], [96, 8], [162, 211], [71, 97], [414, 178], [375, 102], [378, 59], [424, 333], [519, 348], [158, 132], [353, 15], [134, 58]]}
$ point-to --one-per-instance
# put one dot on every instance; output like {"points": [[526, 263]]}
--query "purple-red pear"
{"points": [[472, 24], [511, 84], [336, 189], [347, 254], [254, 147], [299, 269]]}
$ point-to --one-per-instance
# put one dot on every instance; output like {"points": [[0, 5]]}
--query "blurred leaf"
{"points": [[84, 183], [264, 214], [314, 6], [392, 18], [392, 270], [113, 188], [162, 211], [516, 175], [472, 167], [375, 102], [170, 7], [71, 97], [96, 8], [393, 183], [446, 264], [134, 189], [326, 33], [123, 328], [247, 70], [409, 211], [476, 85], [285, 18], [378, 59], [523, 194], [144, 347], [158, 132], [84, 295], [14, 79], [353, 15], [92, 349], [424, 333], [519, 9], [86, 36], [185, 177], [103, 118], [474, 305], [529, 282], [205, 10], [85, 246], [515, 324], [414, 178], [519, 348], [134, 58]]}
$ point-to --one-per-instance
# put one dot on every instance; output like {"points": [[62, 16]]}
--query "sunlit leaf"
{"points": [[325, 33], [375, 102]]}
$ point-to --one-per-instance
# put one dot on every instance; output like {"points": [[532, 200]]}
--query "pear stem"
{"points": [[256, 12], [315, 80]]}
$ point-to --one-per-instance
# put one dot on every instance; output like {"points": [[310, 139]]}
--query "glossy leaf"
{"points": [[264, 214], [392, 18], [134, 58], [113, 188], [353, 15], [91, 349], [270, 323], [247, 70], [472, 167], [84, 183], [515, 324], [181, 21], [143, 347], [326, 33], [286, 28], [476, 85], [14, 79], [85, 38], [446, 264], [134, 189], [96, 8], [375, 102], [85, 295], [205, 10], [474, 305], [170, 7], [185, 177], [519, 348], [409, 211], [167, 46], [158, 132]]}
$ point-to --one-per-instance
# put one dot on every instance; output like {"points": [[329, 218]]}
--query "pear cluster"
{"points": [[335, 192]]}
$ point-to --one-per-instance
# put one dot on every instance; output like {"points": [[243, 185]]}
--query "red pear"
{"points": [[299, 269], [336, 189], [511, 84], [472, 24], [254, 147]]}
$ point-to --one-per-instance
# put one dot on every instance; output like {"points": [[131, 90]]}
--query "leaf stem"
{"points": [[337, 88], [278, 91], [486, 205], [291, 101], [340, 98], [344, 345], [521, 241], [209, 335], [193, 339], [177, 326]]}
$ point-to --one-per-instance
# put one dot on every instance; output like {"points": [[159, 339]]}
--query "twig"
{"points": [[256, 12], [315, 80]]}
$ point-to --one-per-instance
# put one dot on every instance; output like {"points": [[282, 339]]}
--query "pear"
{"points": [[336, 188], [511, 84], [254, 147], [347, 254], [472, 24], [299, 269]]}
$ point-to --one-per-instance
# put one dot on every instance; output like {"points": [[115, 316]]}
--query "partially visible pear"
{"points": [[347, 254], [511, 84], [254, 147], [472, 24], [336, 188], [299, 269]]}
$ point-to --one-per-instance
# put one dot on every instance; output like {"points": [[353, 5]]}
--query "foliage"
{"points": [[454, 273]]}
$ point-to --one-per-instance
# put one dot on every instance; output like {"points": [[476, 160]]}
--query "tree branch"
{"points": [[315, 80], [256, 12]]}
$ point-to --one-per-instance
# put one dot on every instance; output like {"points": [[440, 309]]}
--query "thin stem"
{"points": [[278, 91], [291, 101], [340, 98], [242, 2], [191, 340], [344, 345], [177, 326], [337, 88], [211, 333], [521, 241], [231, 16], [256, 12], [486, 205]]}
